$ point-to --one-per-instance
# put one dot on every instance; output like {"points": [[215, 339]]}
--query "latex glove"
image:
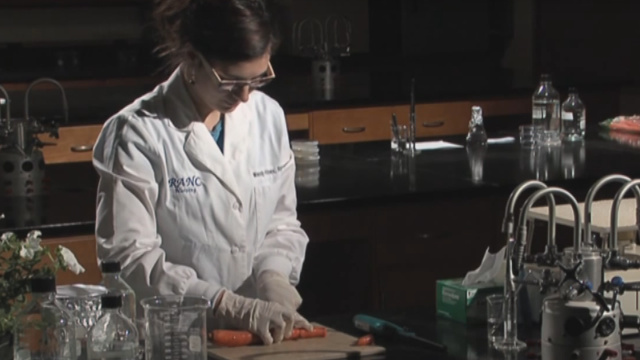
{"points": [[271, 321], [273, 286]]}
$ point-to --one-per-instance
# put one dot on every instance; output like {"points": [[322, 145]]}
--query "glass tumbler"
{"points": [[549, 138], [403, 138], [495, 323], [528, 135], [175, 327]]}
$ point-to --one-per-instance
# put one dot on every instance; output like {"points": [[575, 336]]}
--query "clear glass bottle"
{"points": [[574, 117], [545, 110], [476, 135], [114, 283], [113, 336], [43, 329], [476, 143]]}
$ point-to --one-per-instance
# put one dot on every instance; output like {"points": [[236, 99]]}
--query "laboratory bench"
{"points": [[382, 228], [463, 341]]}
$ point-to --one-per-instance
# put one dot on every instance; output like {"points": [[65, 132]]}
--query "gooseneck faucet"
{"points": [[508, 220], [510, 313], [7, 101], [510, 342], [615, 260], [65, 106], [522, 227], [412, 118], [588, 201]]}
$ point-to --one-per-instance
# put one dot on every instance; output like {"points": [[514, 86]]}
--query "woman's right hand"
{"points": [[271, 321]]}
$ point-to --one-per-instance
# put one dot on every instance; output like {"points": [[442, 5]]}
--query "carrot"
{"points": [[365, 340], [232, 338]]}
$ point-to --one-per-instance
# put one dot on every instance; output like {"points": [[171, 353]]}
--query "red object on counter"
{"points": [[232, 338], [365, 340]]}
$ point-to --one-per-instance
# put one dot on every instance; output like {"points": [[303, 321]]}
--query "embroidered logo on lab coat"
{"points": [[187, 184]]}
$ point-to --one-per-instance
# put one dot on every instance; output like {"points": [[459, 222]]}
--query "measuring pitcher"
{"points": [[175, 327]]}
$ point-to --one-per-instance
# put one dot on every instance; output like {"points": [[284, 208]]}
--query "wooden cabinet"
{"points": [[438, 119], [74, 145], [298, 121], [351, 125], [369, 124], [327, 126], [84, 248]]}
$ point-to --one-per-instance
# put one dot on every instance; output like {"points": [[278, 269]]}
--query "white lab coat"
{"points": [[182, 217]]}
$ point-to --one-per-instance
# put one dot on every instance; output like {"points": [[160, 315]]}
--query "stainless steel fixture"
{"points": [[324, 44], [588, 202], [510, 315], [22, 167], [578, 321]]}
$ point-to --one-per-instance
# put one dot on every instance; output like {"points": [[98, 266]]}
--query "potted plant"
{"points": [[21, 259]]}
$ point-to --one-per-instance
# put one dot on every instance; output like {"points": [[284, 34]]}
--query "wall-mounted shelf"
{"points": [[61, 3], [88, 83]]}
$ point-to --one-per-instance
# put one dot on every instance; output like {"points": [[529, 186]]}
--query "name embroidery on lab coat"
{"points": [[269, 171], [185, 184]]}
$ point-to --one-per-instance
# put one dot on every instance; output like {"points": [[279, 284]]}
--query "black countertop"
{"points": [[358, 174], [463, 341]]}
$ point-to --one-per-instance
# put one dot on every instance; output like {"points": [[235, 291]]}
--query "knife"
{"points": [[391, 331]]}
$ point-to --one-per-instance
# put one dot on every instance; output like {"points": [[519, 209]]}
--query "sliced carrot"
{"points": [[365, 340], [232, 338]]}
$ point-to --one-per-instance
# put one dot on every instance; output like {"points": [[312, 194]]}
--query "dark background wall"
{"points": [[464, 48]]}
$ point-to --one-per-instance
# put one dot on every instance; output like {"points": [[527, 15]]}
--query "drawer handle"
{"points": [[82, 148], [353, 130], [432, 124]]}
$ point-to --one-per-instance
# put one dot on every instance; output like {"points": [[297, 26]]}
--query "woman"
{"points": [[196, 192]]}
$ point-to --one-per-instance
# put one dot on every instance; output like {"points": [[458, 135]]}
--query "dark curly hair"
{"points": [[222, 30]]}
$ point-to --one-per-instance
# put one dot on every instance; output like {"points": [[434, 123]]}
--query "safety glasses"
{"points": [[233, 85]]}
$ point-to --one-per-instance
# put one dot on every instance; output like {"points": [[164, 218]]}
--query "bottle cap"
{"points": [[42, 284], [111, 301], [110, 266]]}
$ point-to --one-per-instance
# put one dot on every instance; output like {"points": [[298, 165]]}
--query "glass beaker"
{"points": [[175, 327], [83, 302]]}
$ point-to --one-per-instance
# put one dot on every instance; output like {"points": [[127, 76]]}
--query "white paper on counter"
{"points": [[434, 145], [502, 140], [492, 269]]}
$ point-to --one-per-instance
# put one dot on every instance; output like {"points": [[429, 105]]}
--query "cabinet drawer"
{"points": [[438, 119], [74, 145], [297, 121], [351, 125]]}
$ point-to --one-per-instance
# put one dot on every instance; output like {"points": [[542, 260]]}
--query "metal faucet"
{"points": [[615, 260], [577, 231], [508, 229], [412, 118], [508, 220], [510, 313], [6, 101], [65, 106], [588, 201], [510, 341]]}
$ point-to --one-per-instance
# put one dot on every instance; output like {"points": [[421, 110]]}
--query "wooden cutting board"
{"points": [[337, 345]]}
